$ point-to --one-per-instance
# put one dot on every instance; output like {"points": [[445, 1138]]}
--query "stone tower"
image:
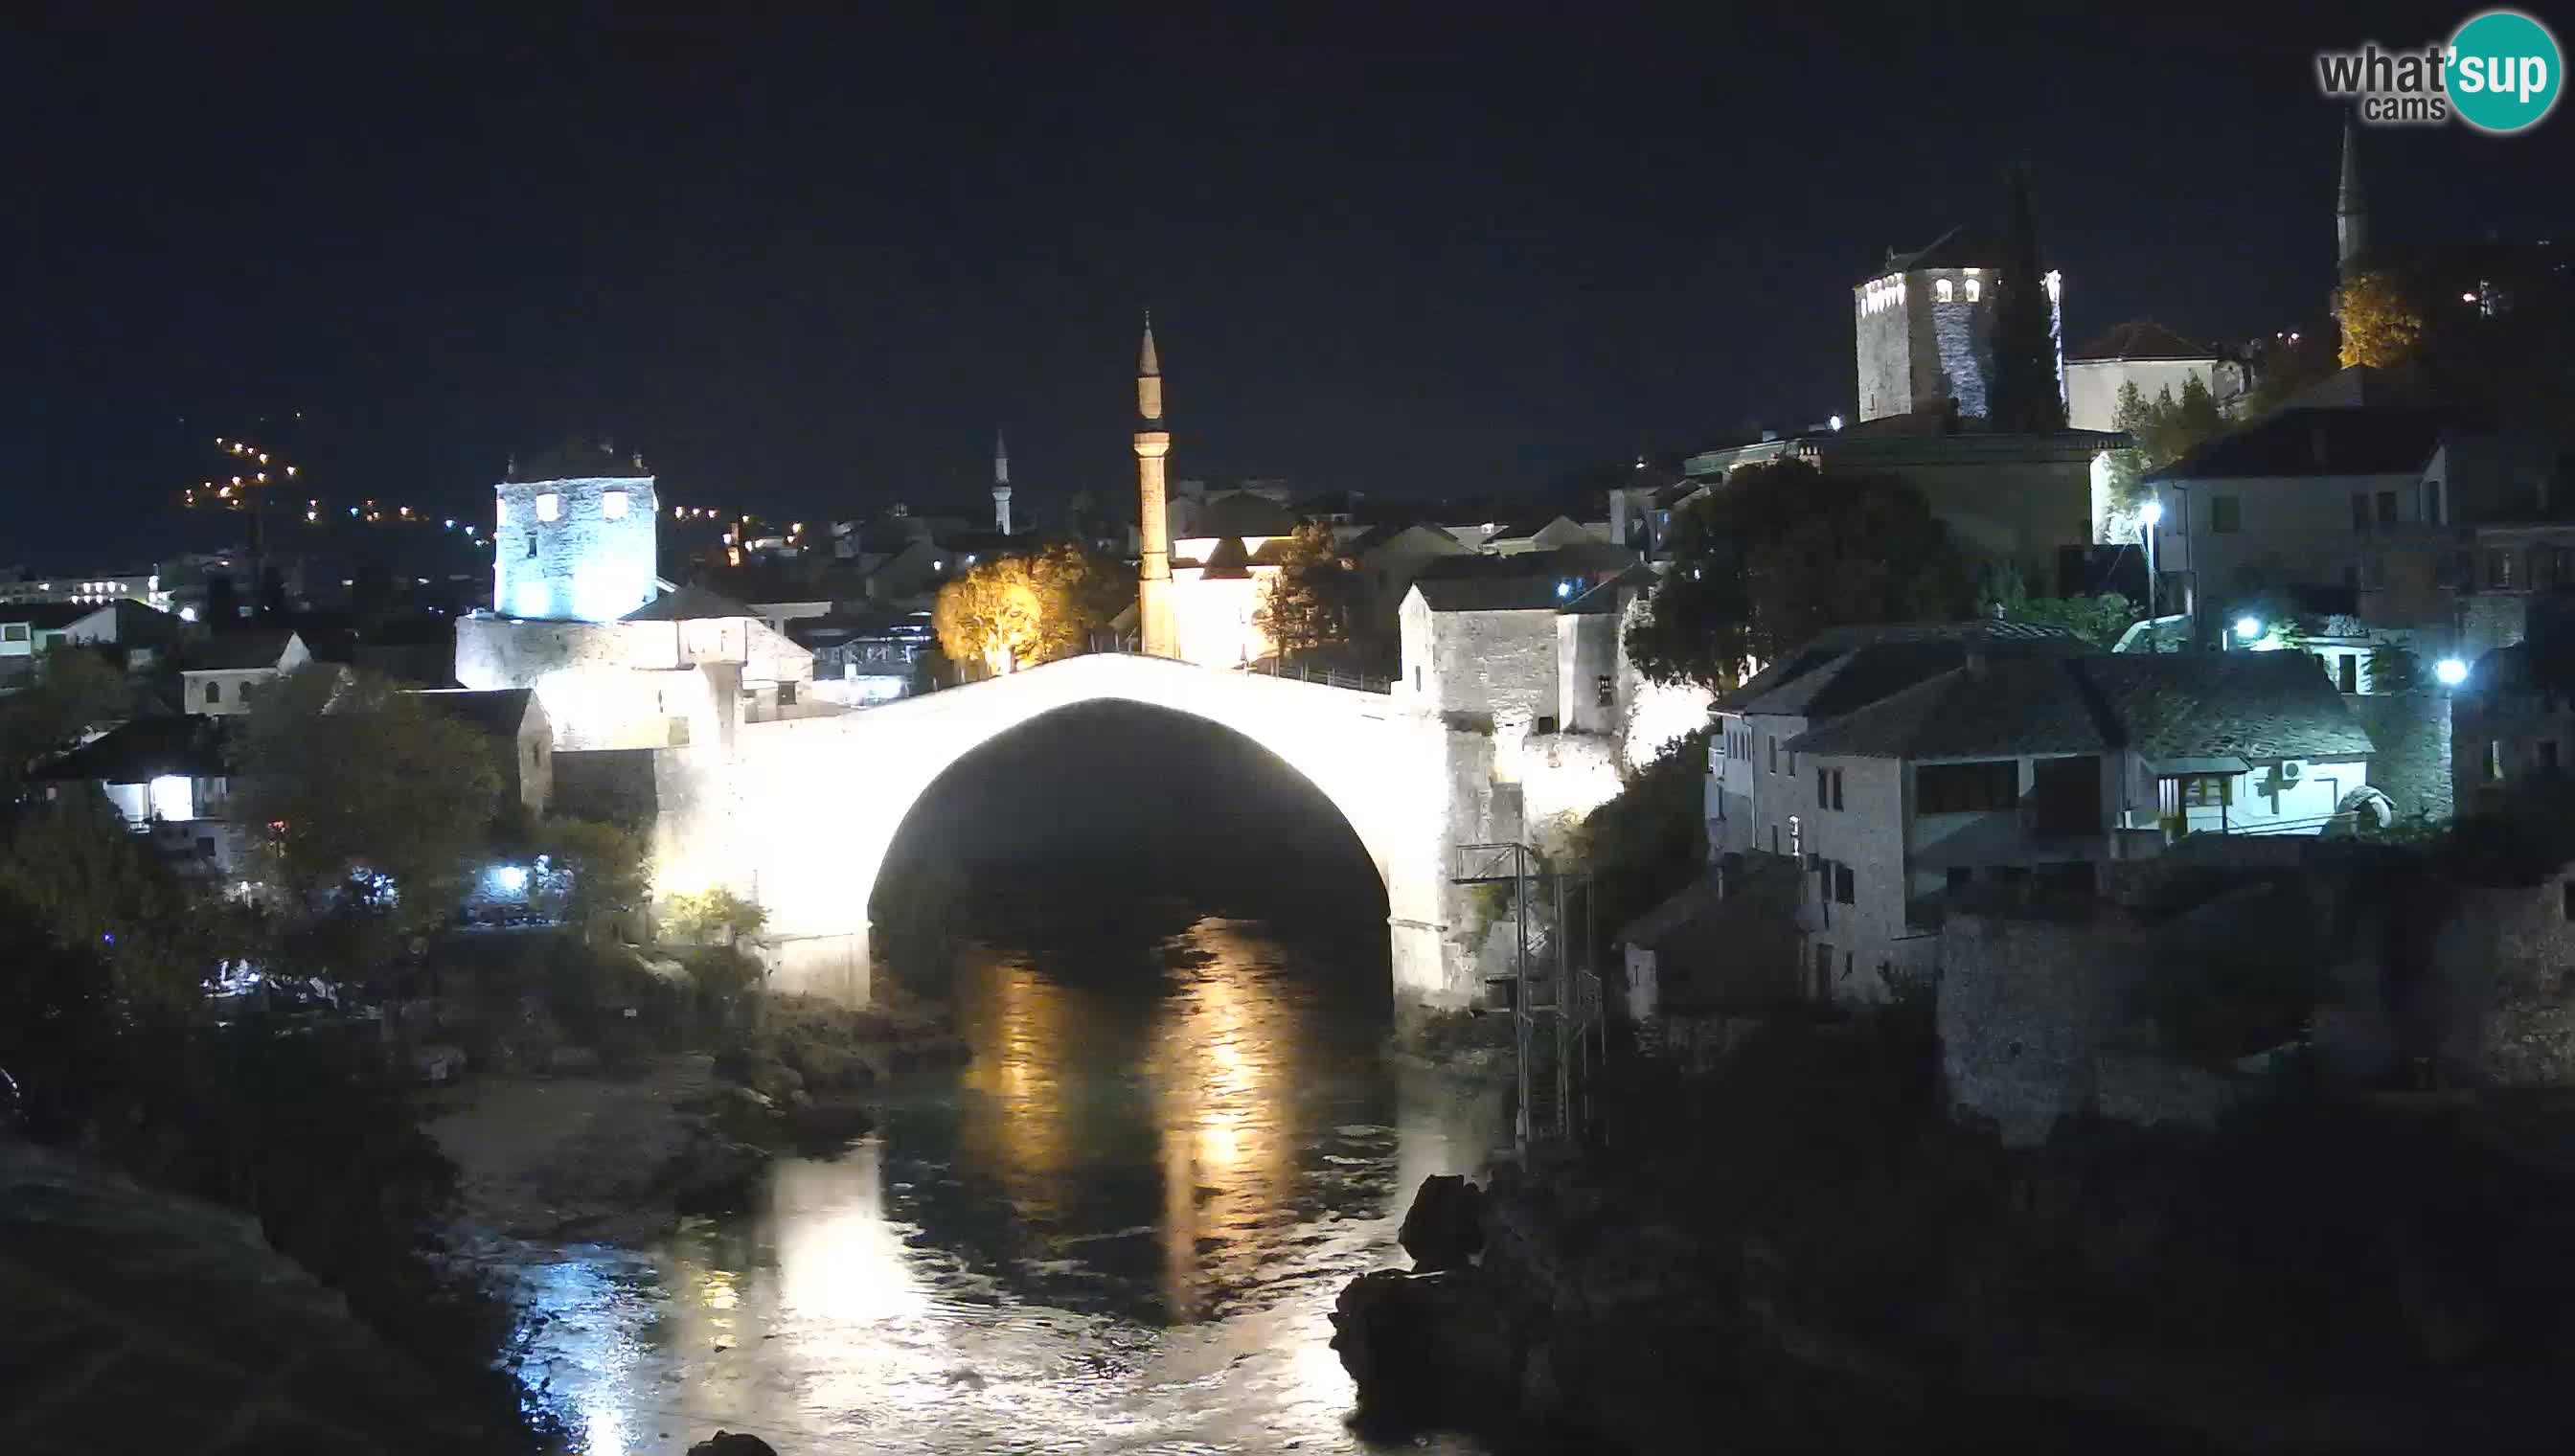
{"points": [[2351, 209], [1001, 484], [576, 541], [1156, 624]]}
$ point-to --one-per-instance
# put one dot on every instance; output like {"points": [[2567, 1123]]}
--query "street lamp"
{"points": [[2248, 628], [2450, 672], [2152, 516]]}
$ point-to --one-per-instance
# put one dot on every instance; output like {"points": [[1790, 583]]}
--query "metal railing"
{"points": [[1326, 677]]}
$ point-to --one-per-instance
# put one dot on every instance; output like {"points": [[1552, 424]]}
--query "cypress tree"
{"points": [[2025, 396]]}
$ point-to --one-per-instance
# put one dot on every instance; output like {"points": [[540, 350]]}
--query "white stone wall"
{"points": [[2293, 528], [219, 692], [1497, 665], [1218, 620], [1587, 648], [582, 565], [2092, 384], [1870, 943]]}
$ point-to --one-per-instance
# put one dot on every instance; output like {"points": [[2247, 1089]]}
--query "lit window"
{"points": [[612, 504], [549, 507], [1943, 289], [1975, 288]]}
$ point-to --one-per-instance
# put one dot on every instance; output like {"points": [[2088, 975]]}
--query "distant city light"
{"points": [[2248, 628], [2451, 672]]}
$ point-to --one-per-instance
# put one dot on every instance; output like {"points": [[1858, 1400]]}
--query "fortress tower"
{"points": [[576, 541], [1156, 624]]}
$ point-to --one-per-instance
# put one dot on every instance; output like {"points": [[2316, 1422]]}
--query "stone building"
{"points": [[523, 740], [216, 673], [2154, 359], [575, 540], [1925, 321]]}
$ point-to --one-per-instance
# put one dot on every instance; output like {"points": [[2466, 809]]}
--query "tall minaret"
{"points": [[2351, 210], [1001, 484], [1161, 632]]}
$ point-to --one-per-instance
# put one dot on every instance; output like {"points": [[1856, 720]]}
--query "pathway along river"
{"points": [[1118, 1228]]}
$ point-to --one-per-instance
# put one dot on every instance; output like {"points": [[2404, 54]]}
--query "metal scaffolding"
{"points": [[1553, 992]]}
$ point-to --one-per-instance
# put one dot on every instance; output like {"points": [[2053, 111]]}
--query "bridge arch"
{"points": [[816, 804]]}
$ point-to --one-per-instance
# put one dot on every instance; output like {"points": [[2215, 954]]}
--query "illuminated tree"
{"points": [[2381, 324], [699, 919], [991, 614], [1300, 609], [1781, 551], [1016, 611], [589, 868], [2159, 433]]}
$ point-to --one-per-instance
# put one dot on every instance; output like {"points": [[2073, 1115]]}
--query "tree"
{"points": [[2101, 620], [86, 882], [588, 867], [991, 614], [223, 602], [2158, 434], [2381, 323], [2026, 396], [1781, 551], [75, 689], [2287, 364], [2393, 668], [377, 806], [1302, 607], [1015, 612], [698, 918]]}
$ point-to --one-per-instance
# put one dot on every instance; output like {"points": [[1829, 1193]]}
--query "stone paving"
{"points": [[134, 1320]]}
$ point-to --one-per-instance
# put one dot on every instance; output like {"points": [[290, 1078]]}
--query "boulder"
{"points": [[828, 1068], [733, 1443], [1444, 1229], [1428, 1347], [743, 1116], [774, 1079]]}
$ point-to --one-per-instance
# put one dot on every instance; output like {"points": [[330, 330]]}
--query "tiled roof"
{"points": [[1489, 594], [1604, 597], [1850, 667], [577, 459], [687, 603], [499, 712], [2254, 706], [1956, 247], [48, 615], [239, 650], [2141, 339], [2377, 439], [1227, 560], [1240, 513], [146, 748]]}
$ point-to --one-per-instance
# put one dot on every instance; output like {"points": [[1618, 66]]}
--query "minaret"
{"points": [[1001, 484], [2351, 209], [1161, 632]]}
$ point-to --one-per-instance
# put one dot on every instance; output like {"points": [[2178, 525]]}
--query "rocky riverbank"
{"points": [[1786, 1258]]}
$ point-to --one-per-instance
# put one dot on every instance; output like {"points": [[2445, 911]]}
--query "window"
{"points": [[13, 631], [214, 692], [1975, 288], [2494, 760], [2547, 755], [612, 505], [2386, 509], [1823, 971], [2347, 675], [532, 546], [1943, 289], [1605, 688], [2225, 515], [786, 694], [2498, 569], [2431, 503], [549, 507], [1775, 755], [2360, 511], [1940, 788], [1417, 677], [1797, 837], [1837, 788], [1546, 725], [1823, 795], [2208, 791], [1842, 885]]}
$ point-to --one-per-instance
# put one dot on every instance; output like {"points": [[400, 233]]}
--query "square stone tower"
{"points": [[575, 539], [1924, 324]]}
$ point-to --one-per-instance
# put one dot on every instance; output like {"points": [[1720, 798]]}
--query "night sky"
{"points": [[810, 264]]}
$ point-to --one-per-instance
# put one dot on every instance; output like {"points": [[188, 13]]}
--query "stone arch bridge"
{"points": [[813, 804]]}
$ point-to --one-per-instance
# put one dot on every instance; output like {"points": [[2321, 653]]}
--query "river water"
{"points": [[1118, 1228]]}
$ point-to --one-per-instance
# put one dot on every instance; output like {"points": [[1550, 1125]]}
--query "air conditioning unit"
{"points": [[2291, 769]]}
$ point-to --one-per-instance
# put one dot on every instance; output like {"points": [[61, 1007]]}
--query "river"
{"points": [[1118, 1228]]}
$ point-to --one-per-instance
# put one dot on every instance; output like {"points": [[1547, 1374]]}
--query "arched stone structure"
{"points": [[815, 804]]}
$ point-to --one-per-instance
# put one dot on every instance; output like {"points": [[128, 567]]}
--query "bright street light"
{"points": [[2248, 628], [2153, 513], [2451, 672]]}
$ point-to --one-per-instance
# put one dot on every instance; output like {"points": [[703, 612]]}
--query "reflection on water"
{"points": [[1118, 1228]]}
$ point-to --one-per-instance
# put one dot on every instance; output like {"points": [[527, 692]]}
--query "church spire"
{"points": [[2351, 208]]}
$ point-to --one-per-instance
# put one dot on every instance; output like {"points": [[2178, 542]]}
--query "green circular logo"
{"points": [[2505, 71]]}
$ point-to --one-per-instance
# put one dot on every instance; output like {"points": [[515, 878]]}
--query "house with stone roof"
{"points": [[2143, 352], [2036, 768]]}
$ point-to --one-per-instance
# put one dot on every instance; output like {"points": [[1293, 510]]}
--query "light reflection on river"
{"points": [[1119, 1228]]}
